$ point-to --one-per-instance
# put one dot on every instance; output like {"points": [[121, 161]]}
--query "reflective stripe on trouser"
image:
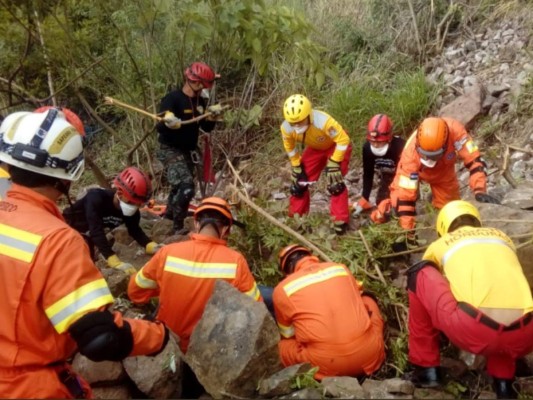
{"points": [[179, 172], [37, 383], [361, 357], [314, 162], [433, 308]]}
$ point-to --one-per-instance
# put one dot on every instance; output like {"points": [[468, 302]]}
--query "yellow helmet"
{"points": [[453, 210], [296, 108]]}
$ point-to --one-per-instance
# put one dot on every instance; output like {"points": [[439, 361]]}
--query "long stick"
{"points": [[274, 221], [372, 259]]}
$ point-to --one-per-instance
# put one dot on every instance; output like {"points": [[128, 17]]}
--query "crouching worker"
{"points": [[53, 299], [109, 208], [183, 274], [324, 318], [483, 303]]}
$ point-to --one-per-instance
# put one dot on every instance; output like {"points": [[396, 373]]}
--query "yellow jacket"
{"points": [[323, 132], [482, 268]]}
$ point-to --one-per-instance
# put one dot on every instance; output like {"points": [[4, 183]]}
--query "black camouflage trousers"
{"points": [[179, 172]]}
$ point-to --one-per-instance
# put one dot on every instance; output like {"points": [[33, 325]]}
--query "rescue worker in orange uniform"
{"points": [[53, 299], [183, 274], [324, 317], [325, 145], [429, 156], [470, 285]]}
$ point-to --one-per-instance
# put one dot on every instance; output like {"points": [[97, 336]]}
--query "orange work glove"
{"points": [[362, 205]]}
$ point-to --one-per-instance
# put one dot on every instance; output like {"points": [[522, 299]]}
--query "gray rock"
{"points": [[430, 394], [158, 377], [279, 196], [307, 393], [116, 280], [111, 392], [234, 345], [343, 387], [497, 90], [280, 383], [108, 372], [378, 390], [487, 395], [397, 385], [521, 197], [465, 108]]}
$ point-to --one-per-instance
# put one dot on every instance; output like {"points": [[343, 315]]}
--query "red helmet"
{"points": [[379, 129], [134, 185], [70, 116], [201, 72]]}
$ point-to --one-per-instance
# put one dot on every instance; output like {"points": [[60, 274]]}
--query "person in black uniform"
{"points": [[178, 142], [381, 154], [109, 208]]}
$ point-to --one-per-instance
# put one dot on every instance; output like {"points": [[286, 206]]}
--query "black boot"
{"points": [[504, 388], [426, 377]]}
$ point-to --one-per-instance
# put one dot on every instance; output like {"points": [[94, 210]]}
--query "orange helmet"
{"points": [[71, 117], [432, 138], [286, 253], [216, 204]]}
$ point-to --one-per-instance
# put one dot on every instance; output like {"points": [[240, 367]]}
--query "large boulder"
{"points": [[466, 108], [98, 373], [112, 392], [160, 376], [234, 345]]}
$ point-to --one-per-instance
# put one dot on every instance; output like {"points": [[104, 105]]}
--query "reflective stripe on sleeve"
{"points": [[291, 153], [471, 146], [311, 279], [18, 244], [253, 292], [286, 331], [68, 309], [143, 282], [341, 147], [406, 182], [467, 242], [196, 269]]}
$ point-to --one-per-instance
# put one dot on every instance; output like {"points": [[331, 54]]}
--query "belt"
{"points": [[487, 321]]}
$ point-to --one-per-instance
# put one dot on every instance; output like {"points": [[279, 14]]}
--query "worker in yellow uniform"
{"points": [[325, 145], [469, 285]]}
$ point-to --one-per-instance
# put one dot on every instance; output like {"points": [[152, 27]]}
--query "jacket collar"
{"points": [[28, 195]]}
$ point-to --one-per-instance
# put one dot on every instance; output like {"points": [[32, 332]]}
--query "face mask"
{"points": [[301, 129], [379, 151], [428, 163], [127, 209]]}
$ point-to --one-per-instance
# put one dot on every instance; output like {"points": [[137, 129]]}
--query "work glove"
{"points": [[171, 121], [298, 174], [362, 205], [487, 198], [333, 172], [152, 247], [215, 109], [114, 262]]}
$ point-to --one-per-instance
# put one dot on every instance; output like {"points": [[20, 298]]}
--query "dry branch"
{"points": [[372, 259]]}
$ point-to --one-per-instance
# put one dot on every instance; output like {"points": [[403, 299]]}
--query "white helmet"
{"points": [[44, 143]]}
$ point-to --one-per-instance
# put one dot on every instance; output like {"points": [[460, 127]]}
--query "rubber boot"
{"points": [[504, 388], [426, 377]]}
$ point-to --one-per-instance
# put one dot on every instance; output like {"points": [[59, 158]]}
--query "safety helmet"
{"points": [[432, 138], [44, 143], [453, 210], [134, 185], [71, 117], [286, 253], [296, 108], [201, 72], [216, 204], [379, 128]]}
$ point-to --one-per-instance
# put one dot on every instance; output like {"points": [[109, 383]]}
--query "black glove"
{"points": [[487, 198], [298, 174]]}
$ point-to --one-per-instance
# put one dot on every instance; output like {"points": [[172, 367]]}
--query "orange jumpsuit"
{"points": [[324, 320], [47, 282], [442, 178], [183, 275]]}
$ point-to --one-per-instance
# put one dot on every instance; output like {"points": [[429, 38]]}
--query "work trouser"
{"points": [[432, 308], [179, 170], [361, 357], [55, 382], [313, 163]]}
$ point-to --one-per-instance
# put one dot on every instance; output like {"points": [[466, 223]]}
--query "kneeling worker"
{"points": [[324, 318], [482, 303]]}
